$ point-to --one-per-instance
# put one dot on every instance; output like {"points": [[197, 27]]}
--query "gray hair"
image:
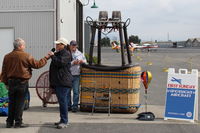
{"points": [[17, 43]]}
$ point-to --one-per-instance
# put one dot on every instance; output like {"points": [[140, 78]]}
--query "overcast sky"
{"points": [[153, 20]]}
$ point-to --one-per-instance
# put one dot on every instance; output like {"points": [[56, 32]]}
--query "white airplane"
{"points": [[144, 46], [147, 45]]}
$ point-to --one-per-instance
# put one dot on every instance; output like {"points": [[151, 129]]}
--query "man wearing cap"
{"points": [[60, 78], [16, 71], [77, 59]]}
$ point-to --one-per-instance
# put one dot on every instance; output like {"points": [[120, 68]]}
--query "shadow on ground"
{"points": [[42, 109], [122, 128]]}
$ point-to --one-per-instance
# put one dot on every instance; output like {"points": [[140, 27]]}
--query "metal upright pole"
{"points": [[127, 46], [99, 46], [121, 44], [145, 101], [93, 28]]}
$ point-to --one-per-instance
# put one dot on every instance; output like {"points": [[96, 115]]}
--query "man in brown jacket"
{"points": [[16, 71]]}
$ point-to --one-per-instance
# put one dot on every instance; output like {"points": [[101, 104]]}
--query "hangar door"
{"points": [[6, 43]]}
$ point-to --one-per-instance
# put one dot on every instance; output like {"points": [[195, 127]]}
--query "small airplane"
{"points": [[147, 45], [144, 46], [114, 45], [133, 46]]}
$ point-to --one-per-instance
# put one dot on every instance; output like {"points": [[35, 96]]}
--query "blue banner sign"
{"points": [[181, 95], [180, 103]]}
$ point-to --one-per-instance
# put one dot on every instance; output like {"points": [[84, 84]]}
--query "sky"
{"points": [[151, 20]]}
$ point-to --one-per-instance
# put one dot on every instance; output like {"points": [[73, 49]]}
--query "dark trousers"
{"points": [[61, 93], [17, 92], [75, 88]]}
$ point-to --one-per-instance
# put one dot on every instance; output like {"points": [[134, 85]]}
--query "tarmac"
{"points": [[41, 120]]}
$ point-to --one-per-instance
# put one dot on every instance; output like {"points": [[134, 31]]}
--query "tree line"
{"points": [[133, 38]]}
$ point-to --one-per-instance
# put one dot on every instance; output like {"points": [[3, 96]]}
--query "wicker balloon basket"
{"points": [[123, 85]]}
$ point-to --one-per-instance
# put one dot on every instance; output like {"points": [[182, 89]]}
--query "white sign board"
{"points": [[182, 95]]}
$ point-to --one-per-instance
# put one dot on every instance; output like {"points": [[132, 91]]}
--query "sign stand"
{"points": [[182, 95]]}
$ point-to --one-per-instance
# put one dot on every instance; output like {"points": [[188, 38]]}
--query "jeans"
{"points": [[75, 88], [17, 93], [27, 100], [61, 93]]}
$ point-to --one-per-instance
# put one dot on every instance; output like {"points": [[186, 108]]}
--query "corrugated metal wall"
{"points": [[26, 4], [34, 21]]}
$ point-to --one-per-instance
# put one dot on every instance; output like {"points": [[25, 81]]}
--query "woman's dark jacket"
{"points": [[59, 73]]}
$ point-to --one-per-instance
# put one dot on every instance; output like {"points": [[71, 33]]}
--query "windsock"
{"points": [[146, 77]]}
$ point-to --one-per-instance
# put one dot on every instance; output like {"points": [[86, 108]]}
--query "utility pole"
{"points": [[168, 36]]}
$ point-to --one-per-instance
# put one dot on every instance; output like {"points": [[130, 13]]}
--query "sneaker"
{"points": [[57, 123], [20, 125], [74, 110], [62, 125]]}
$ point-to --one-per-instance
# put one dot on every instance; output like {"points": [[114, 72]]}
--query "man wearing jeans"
{"points": [[60, 78], [77, 59], [16, 71]]}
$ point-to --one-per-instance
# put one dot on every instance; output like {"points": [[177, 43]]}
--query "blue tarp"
{"points": [[3, 111], [3, 99]]}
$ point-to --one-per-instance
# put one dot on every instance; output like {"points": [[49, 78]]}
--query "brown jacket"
{"points": [[19, 64]]}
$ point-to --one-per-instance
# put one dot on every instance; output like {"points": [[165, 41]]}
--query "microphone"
{"points": [[53, 50]]}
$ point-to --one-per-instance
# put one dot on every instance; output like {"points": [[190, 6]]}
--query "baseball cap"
{"points": [[63, 41], [73, 42]]}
